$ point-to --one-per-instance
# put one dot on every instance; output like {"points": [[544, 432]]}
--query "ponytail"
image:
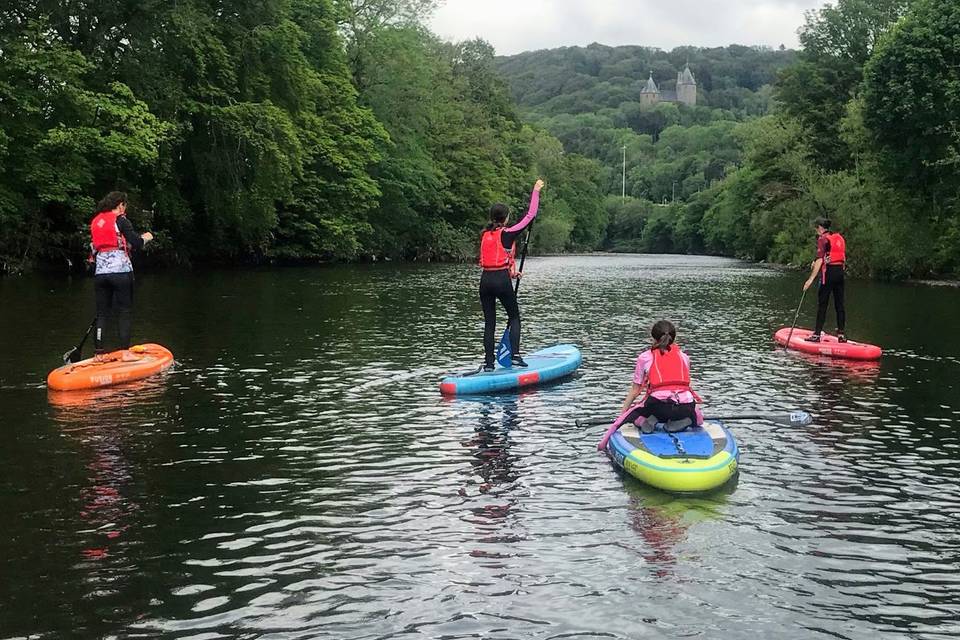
{"points": [[498, 216], [664, 334]]}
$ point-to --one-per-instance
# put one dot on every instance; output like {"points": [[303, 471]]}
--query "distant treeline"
{"points": [[312, 130]]}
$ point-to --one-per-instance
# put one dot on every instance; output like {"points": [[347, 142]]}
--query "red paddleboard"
{"points": [[828, 345]]}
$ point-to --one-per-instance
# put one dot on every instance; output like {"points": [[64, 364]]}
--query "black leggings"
{"points": [[664, 410], [496, 285], [114, 292], [832, 282]]}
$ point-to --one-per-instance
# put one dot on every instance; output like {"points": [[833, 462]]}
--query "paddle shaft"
{"points": [[69, 355], [795, 316], [523, 256], [587, 422]]}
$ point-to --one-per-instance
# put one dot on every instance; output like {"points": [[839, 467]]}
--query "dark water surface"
{"points": [[297, 474]]}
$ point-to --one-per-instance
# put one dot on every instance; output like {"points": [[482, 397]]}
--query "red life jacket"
{"points": [[669, 372], [105, 233], [837, 255], [838, 249], [493, 257]]}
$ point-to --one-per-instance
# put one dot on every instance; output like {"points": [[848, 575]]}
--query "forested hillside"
{"points": [[861, 125], [589, 79], [589, 98]]}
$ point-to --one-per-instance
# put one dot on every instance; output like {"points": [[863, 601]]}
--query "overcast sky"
{"points": [[513, 26]]}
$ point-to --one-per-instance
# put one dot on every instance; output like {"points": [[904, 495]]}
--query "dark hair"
{"points": [[498, 215], [111, 201], [664, 333], [822, 222]]}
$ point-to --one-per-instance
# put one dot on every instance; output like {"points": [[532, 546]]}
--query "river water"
{"points": [[298, 475]]}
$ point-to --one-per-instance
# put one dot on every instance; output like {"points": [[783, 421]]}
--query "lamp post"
{"points": [[623, 184]]}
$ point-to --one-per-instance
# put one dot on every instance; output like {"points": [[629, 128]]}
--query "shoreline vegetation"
{"points": [[320, 131]]}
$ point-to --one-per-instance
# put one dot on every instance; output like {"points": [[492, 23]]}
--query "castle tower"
{"points": [[686, 87], [650, 95]]}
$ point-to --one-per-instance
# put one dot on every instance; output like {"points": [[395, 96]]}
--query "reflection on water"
{"points": [[662, 521], [297, 474], [491, 477]]}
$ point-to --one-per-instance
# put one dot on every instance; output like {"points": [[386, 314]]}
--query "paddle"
{"points": [[793, 419], [795, 316], [504, 351], [523, 254], [74, 355]]}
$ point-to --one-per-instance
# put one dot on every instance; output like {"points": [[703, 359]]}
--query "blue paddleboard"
{"points": [[543, 365]]}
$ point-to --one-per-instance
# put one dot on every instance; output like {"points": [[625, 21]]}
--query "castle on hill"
{"points": [[686, 92]]}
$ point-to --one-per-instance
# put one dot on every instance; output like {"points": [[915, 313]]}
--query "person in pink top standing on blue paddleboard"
{"points": [[497, 250]]}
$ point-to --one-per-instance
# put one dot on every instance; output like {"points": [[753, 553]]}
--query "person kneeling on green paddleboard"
{"points": [[112, 239], [497, 251], [665, 371]]}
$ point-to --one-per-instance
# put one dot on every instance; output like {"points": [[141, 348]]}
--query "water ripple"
{"points": [[297, 474]]}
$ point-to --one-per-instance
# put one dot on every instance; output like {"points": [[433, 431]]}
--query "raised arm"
{"points": [[531, 212]]}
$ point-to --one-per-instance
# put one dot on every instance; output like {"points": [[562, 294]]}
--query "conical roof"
{"points": [[651, 86], [687, 77]]}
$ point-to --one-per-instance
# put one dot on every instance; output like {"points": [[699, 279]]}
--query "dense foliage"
{"points": [[268, 130], [343, 129], [866, 136]]}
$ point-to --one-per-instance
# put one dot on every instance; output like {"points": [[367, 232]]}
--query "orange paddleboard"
{"points": [[148, 359]]}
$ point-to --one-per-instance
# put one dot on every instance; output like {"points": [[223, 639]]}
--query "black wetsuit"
{"points": [[497, 285], [664, 410], [114, 293], [831, 281]]}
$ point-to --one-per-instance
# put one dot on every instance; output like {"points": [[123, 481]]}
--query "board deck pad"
{"points": [[692, 442]]}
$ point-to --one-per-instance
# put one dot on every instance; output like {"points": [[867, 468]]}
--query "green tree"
{"points": [[60, 142], [837, 42], [912, 94]]}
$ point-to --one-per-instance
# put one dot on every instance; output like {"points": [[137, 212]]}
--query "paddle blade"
{"points": [[793, 419], [590, 422], [72, 356], [504, 353]]}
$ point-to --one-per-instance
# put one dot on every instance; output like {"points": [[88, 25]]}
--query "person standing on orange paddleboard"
{"points": [[830, 264], [112, 239]]}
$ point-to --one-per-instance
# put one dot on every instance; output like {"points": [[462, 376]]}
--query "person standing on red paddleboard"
{"points": [[830, 264], [112, 239], [497, 261]]}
